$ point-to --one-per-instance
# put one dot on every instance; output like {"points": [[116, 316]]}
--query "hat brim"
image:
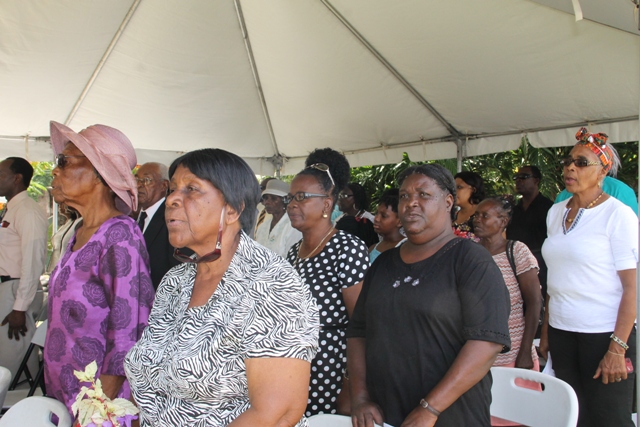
{"points": [[61, 135], [274, 192]]}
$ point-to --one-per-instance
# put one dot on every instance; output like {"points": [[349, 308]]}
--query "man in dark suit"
{"points": [[153, 183]]}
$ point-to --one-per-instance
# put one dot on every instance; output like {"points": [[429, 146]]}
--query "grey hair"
{"points": [[615, 162]]}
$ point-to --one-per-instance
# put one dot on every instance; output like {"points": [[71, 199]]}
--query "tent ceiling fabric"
{"points": [[180, 77]]}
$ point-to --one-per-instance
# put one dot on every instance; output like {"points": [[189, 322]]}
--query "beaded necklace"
{"points": [[589, 206]]}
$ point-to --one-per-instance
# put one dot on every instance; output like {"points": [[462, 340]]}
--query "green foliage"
{"points": [[498, 169], [41, 179]]}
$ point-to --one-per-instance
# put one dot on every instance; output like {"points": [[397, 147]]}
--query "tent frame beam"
{"points": [[103, 60], [452, 130], [452, 139], [256, 78]]}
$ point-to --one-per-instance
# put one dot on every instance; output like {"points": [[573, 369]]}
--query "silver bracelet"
{"points": [[429, 408], [619, 342]]}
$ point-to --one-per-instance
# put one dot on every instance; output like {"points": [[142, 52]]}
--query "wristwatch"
{"points": [[429, 408]]}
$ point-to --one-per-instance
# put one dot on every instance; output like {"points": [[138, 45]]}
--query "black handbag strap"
{"points": [[510, 256]]}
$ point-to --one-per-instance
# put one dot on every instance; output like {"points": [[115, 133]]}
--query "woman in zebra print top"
{"points": [[233, 329]]}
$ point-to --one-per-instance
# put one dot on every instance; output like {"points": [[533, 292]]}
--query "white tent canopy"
{"points": [[272, 80]]}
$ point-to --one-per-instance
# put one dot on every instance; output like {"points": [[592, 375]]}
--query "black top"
{"points": [[530, 226], [416, 318], [156, 237], [360, 227]]}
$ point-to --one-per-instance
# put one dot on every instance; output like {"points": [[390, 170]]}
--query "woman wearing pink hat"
{"points": [[100, 293]]}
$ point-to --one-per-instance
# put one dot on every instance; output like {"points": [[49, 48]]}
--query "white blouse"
{"points": [[583, 261], [281, 238]]}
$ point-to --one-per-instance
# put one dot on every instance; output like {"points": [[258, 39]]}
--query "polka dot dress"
{"points": [[342, 263]]}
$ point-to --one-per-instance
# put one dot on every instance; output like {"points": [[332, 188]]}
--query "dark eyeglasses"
{"points": [[301, 196], [580, 163], [144, 181], [61, 160], [211, 256], [522, 176], [344, 196], [324, 168]]}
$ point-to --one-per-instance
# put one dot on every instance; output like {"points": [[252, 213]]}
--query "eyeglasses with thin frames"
{"points": [[323, 168], [301, 196], [61, 160], [580, 163], [344, 196], [211, 256], [144, 181]]}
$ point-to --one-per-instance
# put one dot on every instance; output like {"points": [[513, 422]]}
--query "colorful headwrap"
{"points": [[597, 142]]}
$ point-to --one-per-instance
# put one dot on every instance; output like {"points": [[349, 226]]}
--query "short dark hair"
{"points": [[474, 180], [338, 167], [231, 175], [22, 167], [535, 171], [360, 198], [441, 175], [390, 198]]}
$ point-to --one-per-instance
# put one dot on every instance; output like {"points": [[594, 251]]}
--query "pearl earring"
{"points": [[324, 214]]}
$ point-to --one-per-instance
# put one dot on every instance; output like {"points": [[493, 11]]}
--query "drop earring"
{"points": [[324, 214]]}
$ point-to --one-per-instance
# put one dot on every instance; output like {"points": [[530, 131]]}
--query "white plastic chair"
{"points": [[330, 420], [555, 406], [36, 411], [5, 380]]}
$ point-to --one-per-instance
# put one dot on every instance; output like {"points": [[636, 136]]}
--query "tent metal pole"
{"points": [[256, 77], [459, 146], [452, 130], [103, 60], [637, 361]]}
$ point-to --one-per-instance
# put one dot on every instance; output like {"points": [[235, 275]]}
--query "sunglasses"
{"points": [[323, 168], [211, 256], [522, 176], [580, 163], [61, 160], [301, 196]]}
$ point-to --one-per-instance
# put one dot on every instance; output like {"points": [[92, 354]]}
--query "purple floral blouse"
{"points": [[100, 297]]}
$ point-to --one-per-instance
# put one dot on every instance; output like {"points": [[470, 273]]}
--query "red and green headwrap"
{"points": [[597, 142]]}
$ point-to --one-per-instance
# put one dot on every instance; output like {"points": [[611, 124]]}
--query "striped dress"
{"points": [[524, 261]]}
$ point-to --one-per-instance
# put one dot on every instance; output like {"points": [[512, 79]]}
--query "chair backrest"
{"points": [[36, 411], [330, 420], [5, 380], [555, 406], [40, 334]]}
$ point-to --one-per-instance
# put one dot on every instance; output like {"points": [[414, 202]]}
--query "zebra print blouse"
{"points": [[188, 368]]}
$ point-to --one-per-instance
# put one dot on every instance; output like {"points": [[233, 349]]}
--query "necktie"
{"points": [[141, 219]]}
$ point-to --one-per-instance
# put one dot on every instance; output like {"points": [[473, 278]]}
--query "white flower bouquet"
{"points": [[93, 408]]}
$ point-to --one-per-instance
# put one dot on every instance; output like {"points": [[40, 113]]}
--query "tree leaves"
{"points": [[498, 169]]}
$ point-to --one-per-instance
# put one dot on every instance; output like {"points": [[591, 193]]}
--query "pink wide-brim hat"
{"points": [[110, 152]]}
